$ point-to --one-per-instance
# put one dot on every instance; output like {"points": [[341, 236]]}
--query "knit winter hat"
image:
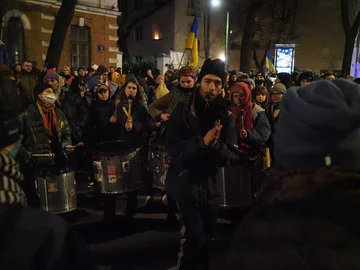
{"points": [[52, 76], [215, 67], [92, 82], [305, 76], [41, 88], [319, 125], [101, 70], [279, 87]]}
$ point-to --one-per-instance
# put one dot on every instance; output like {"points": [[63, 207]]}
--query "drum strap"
{"points": [[8, 221]]}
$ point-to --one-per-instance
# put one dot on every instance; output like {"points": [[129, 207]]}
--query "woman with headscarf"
{"points": [[250, 119]]}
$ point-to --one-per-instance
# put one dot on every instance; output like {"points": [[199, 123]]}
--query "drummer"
{"points": [[130, 123], [161, 108], [46, 130]]}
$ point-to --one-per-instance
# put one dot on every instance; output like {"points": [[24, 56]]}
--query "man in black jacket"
{"points": [[198, 135]]}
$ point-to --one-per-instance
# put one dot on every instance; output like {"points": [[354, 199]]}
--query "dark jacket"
{"points": [[76, 113], [26, 83], [36, 139], [100, 113], [32, 239], [4, 56], [194, 166], [304, 220], [76, 83], [141, 124], [261, 131]]}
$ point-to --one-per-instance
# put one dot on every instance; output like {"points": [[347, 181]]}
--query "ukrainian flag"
{"points": [[269, 62], [192, 43]]}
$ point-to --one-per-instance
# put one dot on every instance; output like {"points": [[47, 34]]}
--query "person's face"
{"points": [[54, 84], [131, 90], [330, 78], [18, 68], [187, 82], [210, 87], [103, 94], [149, 72], [260, 98], [47, 91], [233, 78], [62, 82], [66, 71], [304, 82], [112, 70], [276, 97], [104, 77], [238, 97], [82, 72], [259, 77], [27, 67]]}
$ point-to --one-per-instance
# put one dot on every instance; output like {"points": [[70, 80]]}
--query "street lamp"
{"points": [[215, 4]]}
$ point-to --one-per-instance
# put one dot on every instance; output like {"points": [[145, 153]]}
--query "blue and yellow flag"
{"points": [[269, 62], [192, 43]]}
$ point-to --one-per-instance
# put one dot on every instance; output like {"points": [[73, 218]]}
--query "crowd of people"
{"points": [[303, 132]]}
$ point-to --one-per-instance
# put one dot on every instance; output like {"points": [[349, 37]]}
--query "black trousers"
{"points": [[199, 223]]}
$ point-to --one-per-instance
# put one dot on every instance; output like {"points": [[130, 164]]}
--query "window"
{"points": [[15, 41], [138, 33], [191, 4], [139, 4], [80, 53], [157, 33]]}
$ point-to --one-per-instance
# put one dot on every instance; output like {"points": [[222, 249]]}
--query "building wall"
{"points": [[41, 18], [164, 17]]}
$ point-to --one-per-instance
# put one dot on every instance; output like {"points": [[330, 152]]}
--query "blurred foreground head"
{"points": [[319, 125]]}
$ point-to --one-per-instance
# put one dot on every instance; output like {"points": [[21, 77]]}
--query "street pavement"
{"points": [[147, 242]]}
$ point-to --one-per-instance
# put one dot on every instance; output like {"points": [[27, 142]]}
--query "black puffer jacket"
{"points": [[76, 113]]}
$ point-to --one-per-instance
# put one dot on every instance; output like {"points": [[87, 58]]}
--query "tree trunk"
{"points": [[247, 41], [351, 32], [348, 53], [2, 12], [62, 23]]}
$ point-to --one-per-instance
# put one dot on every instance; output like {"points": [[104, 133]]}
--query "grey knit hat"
{"points": [[319, 125], [279, 87]]}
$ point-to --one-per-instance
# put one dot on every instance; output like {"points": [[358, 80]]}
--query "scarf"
{"points": [[49, 117], [243, 110], [244, 113], [10, 176]]}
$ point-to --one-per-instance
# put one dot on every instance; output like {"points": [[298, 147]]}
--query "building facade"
{"points": [[91, 38], [164, 33]]}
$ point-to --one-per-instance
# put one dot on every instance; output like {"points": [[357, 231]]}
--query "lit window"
{"points": [[157, 33]]}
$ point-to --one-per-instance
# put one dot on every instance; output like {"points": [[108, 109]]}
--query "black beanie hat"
{"points": [[101, 70], [215, 67], [305, 76], [41, 88]]}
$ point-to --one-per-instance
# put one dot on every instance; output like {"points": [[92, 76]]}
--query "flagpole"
{"points": [[182, 58]]}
